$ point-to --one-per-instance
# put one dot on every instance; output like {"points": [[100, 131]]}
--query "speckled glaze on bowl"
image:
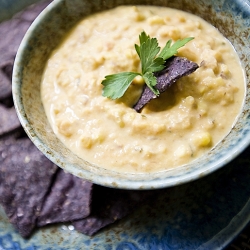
{"points": [[231, 17]]}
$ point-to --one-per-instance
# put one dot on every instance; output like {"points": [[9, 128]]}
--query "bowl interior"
{"points": [[230, 17]]}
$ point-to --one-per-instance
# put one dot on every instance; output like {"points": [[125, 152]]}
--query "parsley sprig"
{"points": [[151, 61]]}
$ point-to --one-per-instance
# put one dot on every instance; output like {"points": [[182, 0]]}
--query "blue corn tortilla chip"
{"points": [[31, 12], [25, 177], [108, 206], [9, 121], [5, 86], [69, 199], [175, 68], [12, 31]]}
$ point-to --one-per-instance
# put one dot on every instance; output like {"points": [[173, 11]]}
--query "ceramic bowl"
{"points": [[231, 17]]}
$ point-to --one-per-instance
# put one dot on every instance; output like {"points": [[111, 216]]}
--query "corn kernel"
{"points": [[86, 142], [188, 53], [202, 108], [57, 111], [209, 59], [128, 118], [99, 61], [156, 20], [186, 123], [219, 81], [197, 24], [190, 101], [181, 18], [162, 148], [170, 32], [98, 137], [202, 139], [138, 80], [183, 151], [131, 54], [133, 163], [167, 19], [201, 89], [225, 72], [120, 122], [175, 34], [58, 108], [137, 15], [63, 79], [210, 124], [158, 128], [125, 27], [64, 127], [218, 56]]}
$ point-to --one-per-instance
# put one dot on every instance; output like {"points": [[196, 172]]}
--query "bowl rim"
{"points": [[100, 179]]}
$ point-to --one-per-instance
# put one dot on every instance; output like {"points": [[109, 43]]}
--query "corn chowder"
{"points": [[186, 121]]}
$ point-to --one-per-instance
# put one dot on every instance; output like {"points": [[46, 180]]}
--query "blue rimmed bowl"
{"points": [[231, 17]]}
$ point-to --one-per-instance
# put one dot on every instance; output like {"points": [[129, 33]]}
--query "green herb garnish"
{"points": [[116, 85]]}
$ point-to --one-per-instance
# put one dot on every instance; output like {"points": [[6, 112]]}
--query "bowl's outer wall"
{"points": [[231, 17]]}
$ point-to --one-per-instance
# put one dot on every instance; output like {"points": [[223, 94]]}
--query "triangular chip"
{"points": [[25, 177], [69, 199], [175, 68], [110, 205], [12, 31], [5, 86], [8, 120]]}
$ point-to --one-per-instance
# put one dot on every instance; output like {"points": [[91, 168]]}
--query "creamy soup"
{"points": [[185, 122]]}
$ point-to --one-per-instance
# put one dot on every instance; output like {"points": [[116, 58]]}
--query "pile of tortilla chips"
{"points": [[33, 191]]}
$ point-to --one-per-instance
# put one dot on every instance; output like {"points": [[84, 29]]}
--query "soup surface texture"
{"points": [[186, 121]]}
